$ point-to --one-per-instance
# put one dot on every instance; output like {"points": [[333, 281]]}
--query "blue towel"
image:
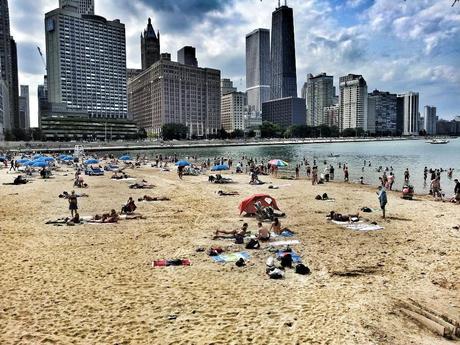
{"points": [[287, 233], [295, 257], [231, 257]]}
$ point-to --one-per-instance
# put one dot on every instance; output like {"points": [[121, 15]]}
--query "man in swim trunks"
{"points": [[263, 232], [238, 232]]}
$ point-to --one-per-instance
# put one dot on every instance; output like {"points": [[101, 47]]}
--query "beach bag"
{"points": [[286, 261], [240, 262], [318, 197], [214, 251], [302, 269], [253, 244]]}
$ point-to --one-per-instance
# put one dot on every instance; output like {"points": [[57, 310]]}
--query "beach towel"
{"points": [[231, 257], [171, 262], [295, 257], [284, 243], [284, 233], [359, 226]]}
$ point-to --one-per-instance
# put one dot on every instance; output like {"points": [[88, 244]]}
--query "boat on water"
{"points": [[333, 156], [438, 141]]}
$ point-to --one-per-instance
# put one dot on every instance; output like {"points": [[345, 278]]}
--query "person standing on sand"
{"points": [[297, 172], [457, 191], [73, 204], [346, 175], [180, 171], [382, 195], [406, 175]]}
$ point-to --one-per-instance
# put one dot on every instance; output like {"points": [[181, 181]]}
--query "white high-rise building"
{"points": [[410, 113], [86, 63], [233, 108], [319, 94], [430, 120], [353, 102], [82, 6], [258, 69]]}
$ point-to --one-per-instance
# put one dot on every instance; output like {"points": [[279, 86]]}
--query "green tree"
{"points": [[349, 132], [222, 134], [238, 133], [141, 133], [251, 134], [172, 131], [271, 130], [9, 136]]}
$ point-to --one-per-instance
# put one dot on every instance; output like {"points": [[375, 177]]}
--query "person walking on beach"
{"points": [[13, 165], [314, 175], [297, 172], [346, 174], [436, 188], [382, 195], [73, 205]]}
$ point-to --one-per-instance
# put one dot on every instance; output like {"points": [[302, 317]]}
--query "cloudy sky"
{"points": [[396, 45]]}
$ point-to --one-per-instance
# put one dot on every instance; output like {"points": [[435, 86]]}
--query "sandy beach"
{"points": [[94, 284]]}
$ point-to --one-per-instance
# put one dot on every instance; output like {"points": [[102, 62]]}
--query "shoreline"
{"points": [[198, 144]]}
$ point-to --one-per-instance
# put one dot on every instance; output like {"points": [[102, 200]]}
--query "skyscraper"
{"points": [[233, 107], [283, 63], [226, 86], [4, 108], [86, 63], [353, 102], [42, 95], [430, 120], [8, 64], [150, 46], [319, 94], [258, 69], [409, 112], [187, 56], [382, 108], [24, 108], [82, 6]]}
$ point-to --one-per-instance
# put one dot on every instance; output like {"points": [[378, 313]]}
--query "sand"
{"points": [[93, 284]]}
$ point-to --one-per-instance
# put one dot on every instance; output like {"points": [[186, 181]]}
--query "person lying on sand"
{"points": [[142, 185], [67, 220], [222, 193], [111, 217], [65, 195], [343, 218], [153, 198], [263, 232], [238, 232], [20, 180]]}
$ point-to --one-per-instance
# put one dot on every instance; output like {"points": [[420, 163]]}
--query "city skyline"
{"points": [[397, 47]]}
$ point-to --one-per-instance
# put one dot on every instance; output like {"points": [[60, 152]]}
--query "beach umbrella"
{"points": [[68, 158], [91, 161], [125, 158], [23, 161], [46, 159], [2, 159], [182, 163], [39, 164], [37, 156], [220, 167], [278, 163], [247, 204]]}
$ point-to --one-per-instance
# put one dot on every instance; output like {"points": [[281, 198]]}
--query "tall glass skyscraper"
{"points": [[283, 64], [258, 69]]}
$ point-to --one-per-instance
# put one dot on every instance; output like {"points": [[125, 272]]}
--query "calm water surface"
{"points": [[412, 154]]}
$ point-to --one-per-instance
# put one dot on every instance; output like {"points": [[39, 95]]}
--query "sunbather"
{"points": [[222, 193], [65, 195], [343, 218], [153, 198], [238, 232], [276, 226], [263, 232], [129, 207], [111, 217], [20, 180], [142, 185]]}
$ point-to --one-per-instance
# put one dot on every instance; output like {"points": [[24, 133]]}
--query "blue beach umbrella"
{"points": [[182, 163], [46, 159], [37, 156], [68, 158], [125, 158], [39, 164], [220, 167], [2, 159], [91, 161], [22, 161]]}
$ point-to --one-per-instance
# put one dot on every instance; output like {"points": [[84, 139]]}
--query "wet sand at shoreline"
{"points": [[93, 284]]}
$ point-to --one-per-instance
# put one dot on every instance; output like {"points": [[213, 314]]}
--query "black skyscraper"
{"points": [[150, 46], [283, 67], [187, 56]]}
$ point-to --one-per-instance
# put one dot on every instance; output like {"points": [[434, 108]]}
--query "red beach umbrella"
{"points": [[247, 204]]}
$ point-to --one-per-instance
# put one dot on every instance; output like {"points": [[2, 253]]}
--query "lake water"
{"points": [[412, 154]]}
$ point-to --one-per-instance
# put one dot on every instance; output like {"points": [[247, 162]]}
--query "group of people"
{"points": [[263, 233]]}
